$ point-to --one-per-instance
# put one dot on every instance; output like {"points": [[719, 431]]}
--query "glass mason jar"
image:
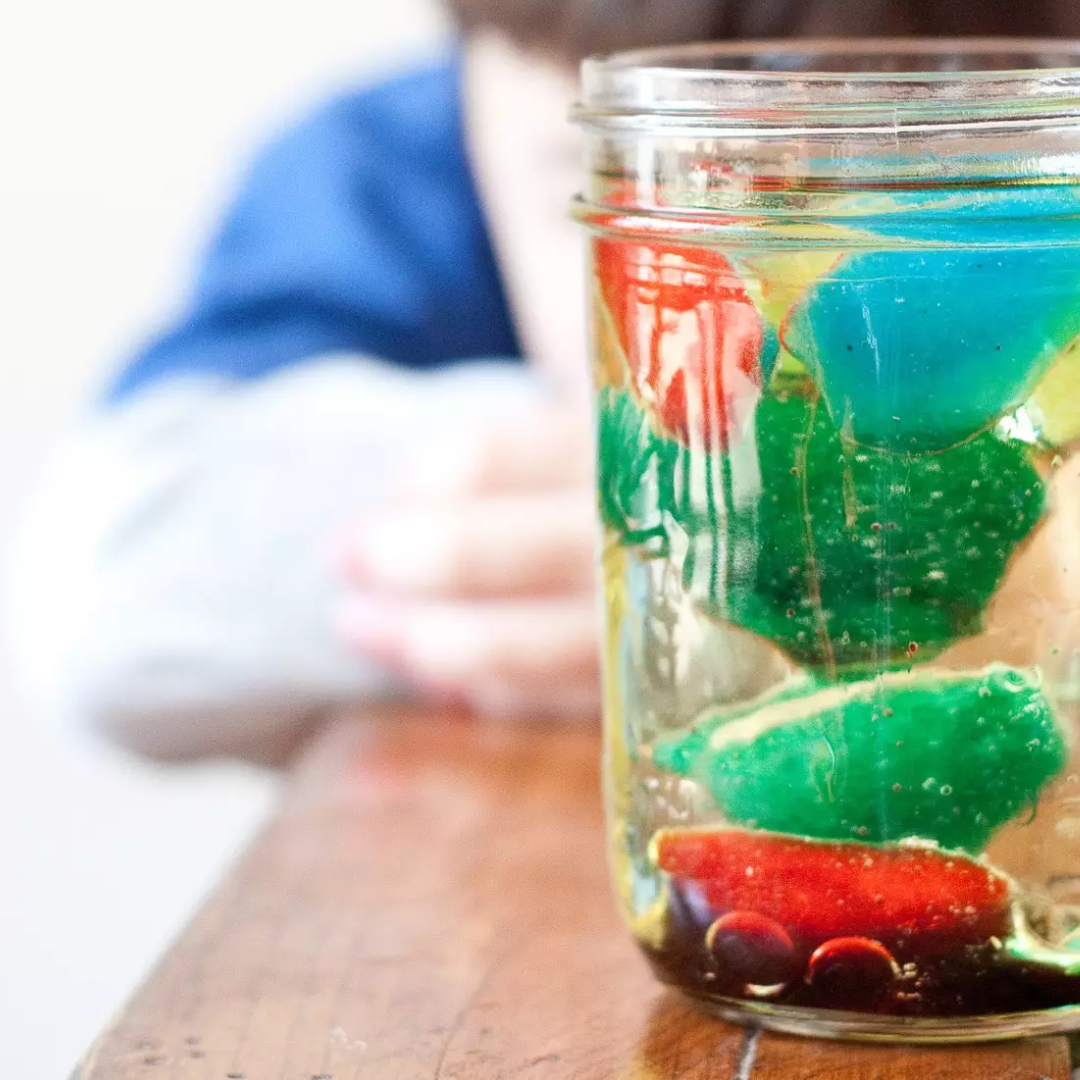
{"points": [[836, 316]]}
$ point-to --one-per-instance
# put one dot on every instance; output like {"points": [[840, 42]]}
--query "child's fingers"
{"points": [[565, 700], [531, 646], [543, 450], [507, 546]]}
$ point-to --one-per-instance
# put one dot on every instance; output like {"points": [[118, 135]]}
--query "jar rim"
{"points": [[834, 82]]}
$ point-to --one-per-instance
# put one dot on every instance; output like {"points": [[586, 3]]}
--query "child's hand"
{"points": [[476, 582]]}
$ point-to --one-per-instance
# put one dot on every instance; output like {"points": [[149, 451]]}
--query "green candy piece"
{"points": [[846, 557], [854, 557], [637, 473], [947, 757]]}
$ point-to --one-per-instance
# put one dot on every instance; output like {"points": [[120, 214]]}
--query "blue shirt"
{"points": [[359, 231]]}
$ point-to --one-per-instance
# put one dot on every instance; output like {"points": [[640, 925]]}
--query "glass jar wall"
{"points": [[836, 307]]}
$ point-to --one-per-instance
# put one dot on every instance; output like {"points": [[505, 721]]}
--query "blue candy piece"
{"points": [[770, 351], [920, 349]]}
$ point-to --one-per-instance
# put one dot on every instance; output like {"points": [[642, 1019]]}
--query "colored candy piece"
{"points": [[609, 360], [947, 757], [637, 472], [1027, 948], [843, 556], [1055, 404], [855, 558], [775, 280], [913, 900], [851, 972], [920, 349], [690, 333], [751, 948]]}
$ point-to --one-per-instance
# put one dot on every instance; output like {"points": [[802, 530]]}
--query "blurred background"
{"points": [[124, 126]]}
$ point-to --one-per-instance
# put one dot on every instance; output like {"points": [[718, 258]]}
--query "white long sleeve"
{"points": [[171, 587]]}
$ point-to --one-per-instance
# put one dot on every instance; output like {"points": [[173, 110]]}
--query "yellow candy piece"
{"points": [[609, 364], [1055, 404], [775, 280]]}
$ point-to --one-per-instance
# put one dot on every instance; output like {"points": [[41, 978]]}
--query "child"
{"points": [[334, 479]]}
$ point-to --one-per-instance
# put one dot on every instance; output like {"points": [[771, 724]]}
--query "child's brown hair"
{"points": [[577, 28]]}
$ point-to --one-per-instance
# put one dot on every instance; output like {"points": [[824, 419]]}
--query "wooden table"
{"points": [[432, 902]]}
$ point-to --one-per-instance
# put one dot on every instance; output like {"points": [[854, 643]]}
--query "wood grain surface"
{"points": [[432, 903]]}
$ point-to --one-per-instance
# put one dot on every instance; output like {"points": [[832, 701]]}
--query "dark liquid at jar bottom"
{"points": [[973, 981]]}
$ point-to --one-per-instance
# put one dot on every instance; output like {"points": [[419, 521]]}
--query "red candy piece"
{"points": [[690, 332], [752, 949], [854, 971], [916, 900]]}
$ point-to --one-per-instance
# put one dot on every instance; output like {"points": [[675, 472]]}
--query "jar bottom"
{"points": [[873, 1027], [969, 1019]]}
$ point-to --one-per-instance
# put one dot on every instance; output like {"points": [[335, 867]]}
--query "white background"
{"points": [[123, 124]]}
